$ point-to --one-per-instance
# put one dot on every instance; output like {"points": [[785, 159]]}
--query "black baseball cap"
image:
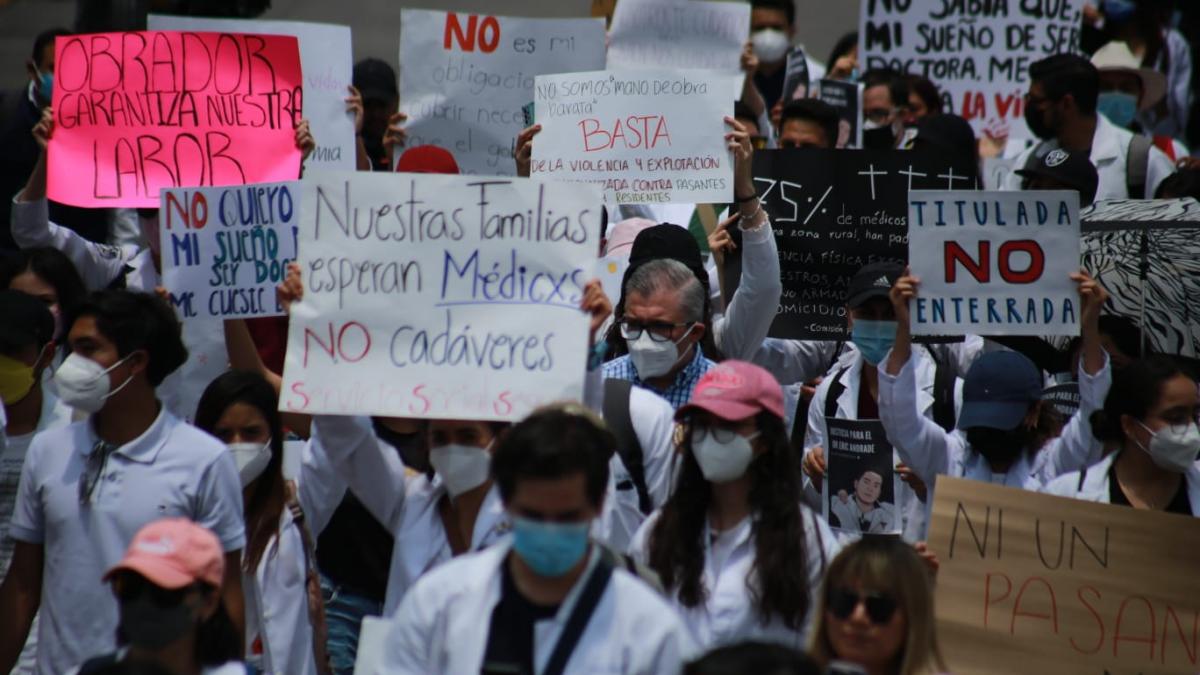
{"points": [[375, 80], [27, 321], [1071, 170], [872, 281]]}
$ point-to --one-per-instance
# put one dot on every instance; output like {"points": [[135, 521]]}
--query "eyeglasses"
{"points": [[842, 602], [719, 434], [660, 331], [133, 586], [880, 115], [92, 473]]}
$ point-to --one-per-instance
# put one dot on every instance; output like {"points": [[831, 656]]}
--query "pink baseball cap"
{"points": [[426, 159], [620, 235], [735, 390], [173, 553]]}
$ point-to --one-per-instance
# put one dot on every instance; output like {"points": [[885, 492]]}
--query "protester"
{"points": [[1127, 89], [924, 99], [947, 135], [884, 106], [843, 59], [49, 276], [1062, 170], [508, 607], [87, 488], [753, 657], [739, 553], [1182, 183], [772, 29], [1060, 109], [1006, 435], [376, 81], [170, 603], [240, 409], [808, 123], [1150, 416], [876, 611], [27, 343]]}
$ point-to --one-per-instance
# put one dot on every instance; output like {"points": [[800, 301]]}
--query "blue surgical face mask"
{"points": [[550, 549], [1119, 107], [874, 339], [1119, 11], [45, 86]]}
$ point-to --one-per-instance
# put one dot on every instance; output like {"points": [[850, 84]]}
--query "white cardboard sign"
{"points": [[678, 34]]}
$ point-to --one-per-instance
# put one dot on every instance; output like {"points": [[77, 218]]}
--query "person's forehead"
{"points": [[1178, 391], [872, 477], [767, 16], [797, 126], [548, 496], [241, 414], [661, 305], [85, 327], [1121, 80], [879, 94], [455, 426]]}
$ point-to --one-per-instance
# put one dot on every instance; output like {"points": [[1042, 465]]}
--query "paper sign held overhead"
{"points": [[678, 34], [138, 112], [440, 296], [465, 77], [1075, 587], [994, 263], [224, 250], [327, 62], [645, 136]]}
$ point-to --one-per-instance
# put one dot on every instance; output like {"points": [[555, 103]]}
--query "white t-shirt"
{"points": [[171, 470]]}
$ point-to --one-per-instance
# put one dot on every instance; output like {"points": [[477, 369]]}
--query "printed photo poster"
{"points": [[994, 263], [644, 136], [464, 78], [1064, 397], [795, 76], [327, 61], [225, 249], [1073, 586], [440, 296], [832, 212], [861, 487], [141, 111], [846, 99], [682, 34], [977, 52]]}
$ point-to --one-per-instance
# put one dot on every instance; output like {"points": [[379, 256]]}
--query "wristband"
{"points": [[743, 200]]}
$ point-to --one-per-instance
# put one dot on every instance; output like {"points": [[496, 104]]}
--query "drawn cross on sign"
{"points": [[871, 172], [950, 178], [910, 173]]}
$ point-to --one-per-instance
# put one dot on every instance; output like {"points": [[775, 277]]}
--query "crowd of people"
{"points": [[669, 523]]}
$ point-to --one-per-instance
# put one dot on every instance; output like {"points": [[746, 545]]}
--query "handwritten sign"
{"points": [[994, 263], [832, 212], [465, 77], [327, 62], [1074, 587], [440, 296], [978, 52], [137, 112], [678, 34], [645, 136], [861, 489], [225, 249]]}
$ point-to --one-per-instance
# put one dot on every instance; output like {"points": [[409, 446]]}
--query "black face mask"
{"points": [[412, 451], [1036, 120], [998, 446], [146, 623], [882, 138]]}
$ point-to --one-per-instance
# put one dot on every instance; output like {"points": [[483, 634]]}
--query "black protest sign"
{"points": [[846, 99], [834, 211], [860, 486], [795, 76], [1064, 397]]}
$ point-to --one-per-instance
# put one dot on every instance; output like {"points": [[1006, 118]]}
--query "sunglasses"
{"points": [[842, 602]]}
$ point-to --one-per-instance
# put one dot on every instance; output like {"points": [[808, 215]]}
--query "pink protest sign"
{"points": [[136, 112]]}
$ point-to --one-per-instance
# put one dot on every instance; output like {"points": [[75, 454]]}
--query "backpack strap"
{"points": [[943, 394], [312, 585], [836, 388], [97, 664], [629, 448], [1136, 166], [581, 614]]}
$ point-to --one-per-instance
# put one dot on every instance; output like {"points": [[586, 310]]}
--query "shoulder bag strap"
{"points": [[589, 598]]}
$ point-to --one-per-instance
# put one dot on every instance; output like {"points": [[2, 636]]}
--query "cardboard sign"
{"points": [[327, 62], [861, 488], [1147, 255], [1075, 587], [438, 296], [1064, 397], [225, 249], [678, 34], [994, 263], [846, 99], [137, 112], [644, 136], [832, 212], [465, 77], [978, 52]]}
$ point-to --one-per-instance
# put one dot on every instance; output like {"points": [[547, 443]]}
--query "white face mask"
{"points": [[722, 461], [462, 467], [1173, 448], [654, 359], [770, 44], [84, 384], [251, 459]]}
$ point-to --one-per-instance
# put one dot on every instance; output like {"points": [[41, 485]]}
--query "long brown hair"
{"points": [[264, 507], [778, 582]]}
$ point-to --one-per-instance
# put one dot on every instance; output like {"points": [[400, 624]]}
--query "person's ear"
{"points": [[1129, 426], [698, 330], [46, 357], [31, 68], [139, 361], [849, 320], [1031, 418]]}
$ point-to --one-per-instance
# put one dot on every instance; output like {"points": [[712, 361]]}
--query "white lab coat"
{"points": [[930, 451], [740, 331], [912, 510], [406, 505], [442, 624], [1110, 152], [729, 615], [1091, 484], [1179, 88], [277, 593]]}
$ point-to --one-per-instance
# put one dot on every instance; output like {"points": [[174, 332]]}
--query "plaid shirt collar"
{"points": [[680, 391]]}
